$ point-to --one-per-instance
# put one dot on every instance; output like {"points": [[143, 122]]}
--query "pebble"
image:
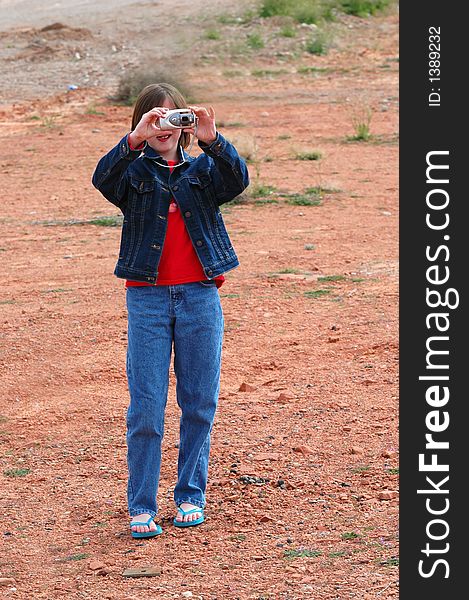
{"points": [[303, 450], [267, 456], [387, 495], [187, 594], [357, 450], [245, 387], [7, 581]]}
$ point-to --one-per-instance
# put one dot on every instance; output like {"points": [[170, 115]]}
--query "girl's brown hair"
{"points": [[154, 95]]}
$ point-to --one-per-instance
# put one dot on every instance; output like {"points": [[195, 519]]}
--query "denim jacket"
{"points": [[135, 182]]}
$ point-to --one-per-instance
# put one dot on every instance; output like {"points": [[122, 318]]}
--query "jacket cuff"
{"points": [[126, 151], [217, 147]]}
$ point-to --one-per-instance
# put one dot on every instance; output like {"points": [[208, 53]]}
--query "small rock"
{"points": [[267, 456], [303, 450], [7, 581], [265, 519], [357, 450], [95, 565], [389, 454], [187, 594], [283, 397], [346, 428], [245, 387], [265, 114], [332, 339], [387, 495]]}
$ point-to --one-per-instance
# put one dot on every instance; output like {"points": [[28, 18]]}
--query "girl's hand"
{"points": [[147, 127], [206, 128]]}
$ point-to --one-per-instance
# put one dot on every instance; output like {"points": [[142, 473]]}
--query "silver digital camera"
{"points": [[178, 118]]}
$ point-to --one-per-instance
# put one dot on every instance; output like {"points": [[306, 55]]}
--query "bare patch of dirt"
{"points": [[303, 482]]}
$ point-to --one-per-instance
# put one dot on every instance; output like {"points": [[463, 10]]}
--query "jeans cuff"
{"points": [[138, 511], [194, 501]]}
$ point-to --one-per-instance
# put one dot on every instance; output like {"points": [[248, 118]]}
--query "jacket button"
{"points": [[175, 188], [209, 273], [156, 246], [199, 242], [188, 214]]}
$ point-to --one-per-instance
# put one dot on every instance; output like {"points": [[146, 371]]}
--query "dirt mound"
{"points": [[56, 40]]}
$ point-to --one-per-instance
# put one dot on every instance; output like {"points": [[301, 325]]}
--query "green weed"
{"points": [[306, 69], [317, 293], [263, 201], [268, 72], [318, 44], [349, 535], [92, 110], [16, 472], [259, 190], [363, 8], [80, 556], [311, 155], [212, 34], [302, 11], [232, 73], [105, 221], [288, 32], [361, 469], [393, 561], [49, 122], [332, 278], [255, 41], [304, 199], [361, 122]]}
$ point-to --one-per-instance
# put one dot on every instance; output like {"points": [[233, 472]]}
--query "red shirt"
{"points": [[179, 262]]}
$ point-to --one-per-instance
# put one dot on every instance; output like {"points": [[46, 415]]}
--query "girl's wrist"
{"points": [[210, 141], [134, 141]]}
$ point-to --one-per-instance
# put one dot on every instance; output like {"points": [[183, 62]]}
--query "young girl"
{"points": [[173, 253]]}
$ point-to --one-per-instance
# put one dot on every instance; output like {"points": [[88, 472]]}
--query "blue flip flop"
{"points": [[188, 512], [145, 534]]}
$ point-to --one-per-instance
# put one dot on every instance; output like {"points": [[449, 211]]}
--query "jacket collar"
{"points": [[151, 153]]}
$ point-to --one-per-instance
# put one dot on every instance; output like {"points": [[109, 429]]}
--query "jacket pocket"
{"points": [[140, 195]]}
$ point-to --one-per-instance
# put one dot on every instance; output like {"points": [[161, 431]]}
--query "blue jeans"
{"points": [[190, 316]]}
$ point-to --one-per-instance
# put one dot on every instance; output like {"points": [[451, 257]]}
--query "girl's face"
{"points": [[166, 142]]}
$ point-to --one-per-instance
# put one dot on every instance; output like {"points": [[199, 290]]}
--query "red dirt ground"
{"points": [[318, 424]]}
